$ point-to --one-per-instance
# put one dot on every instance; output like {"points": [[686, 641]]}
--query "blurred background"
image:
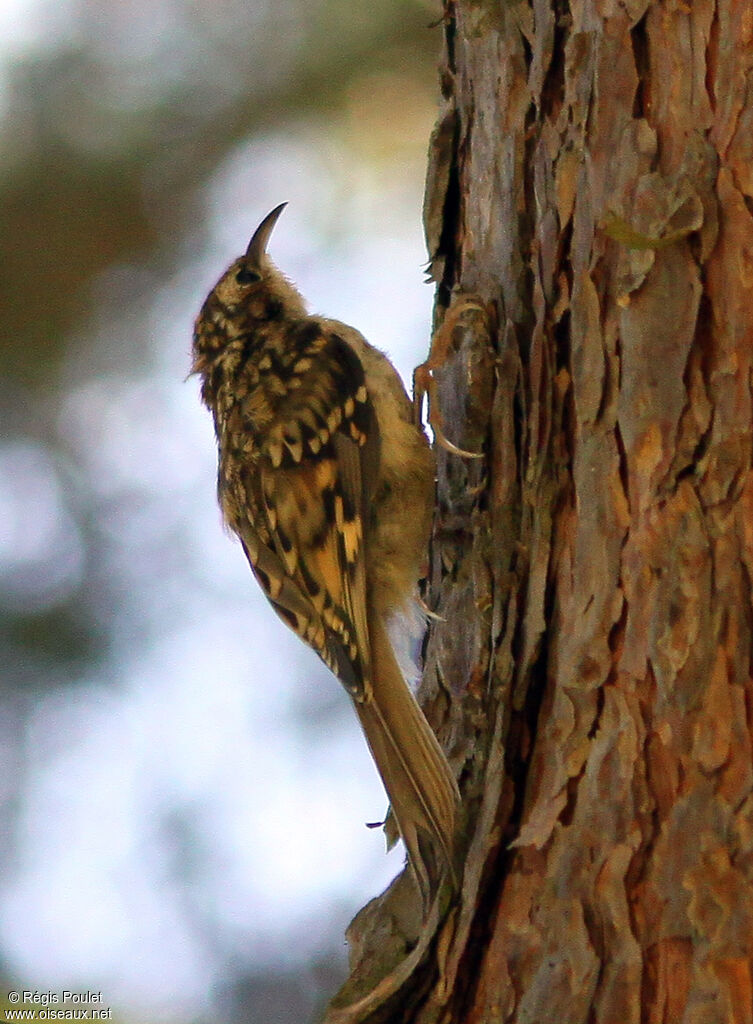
{"points": [[183, 786]]}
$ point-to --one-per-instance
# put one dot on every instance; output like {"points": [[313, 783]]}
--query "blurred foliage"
{"points": [[55, 639], [114, 118], [108, 135]]}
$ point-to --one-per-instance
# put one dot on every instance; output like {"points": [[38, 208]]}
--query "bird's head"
{"points": [[250, 293]]}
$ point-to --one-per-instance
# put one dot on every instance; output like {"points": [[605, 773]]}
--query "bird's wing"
{"points": [[309, 552]]}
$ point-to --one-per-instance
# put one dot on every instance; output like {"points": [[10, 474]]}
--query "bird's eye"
{"points": [[246, 276]]}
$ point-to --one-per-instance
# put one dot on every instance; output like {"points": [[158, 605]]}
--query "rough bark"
{"points": [[590, 224]]}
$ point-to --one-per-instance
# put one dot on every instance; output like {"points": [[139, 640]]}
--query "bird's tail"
{"points": [[420, 784]]}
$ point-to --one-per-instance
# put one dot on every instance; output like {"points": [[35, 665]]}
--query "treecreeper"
{"points": [[329, 484]]}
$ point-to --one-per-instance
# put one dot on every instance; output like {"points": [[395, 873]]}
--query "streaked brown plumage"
{"points": [[329, 485]]}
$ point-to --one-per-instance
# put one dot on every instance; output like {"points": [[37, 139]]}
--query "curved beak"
{"points": [[257, 247]]}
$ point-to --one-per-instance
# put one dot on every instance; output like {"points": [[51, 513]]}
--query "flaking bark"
{"points": [[591, 187]]}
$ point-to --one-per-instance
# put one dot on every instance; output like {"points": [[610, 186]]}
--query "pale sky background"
{"points": [[200, 797]]}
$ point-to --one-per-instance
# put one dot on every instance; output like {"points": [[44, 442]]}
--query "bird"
{"points": [[328, 482]]}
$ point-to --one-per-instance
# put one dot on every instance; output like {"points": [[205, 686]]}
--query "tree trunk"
{"points": [[589, 220]]}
